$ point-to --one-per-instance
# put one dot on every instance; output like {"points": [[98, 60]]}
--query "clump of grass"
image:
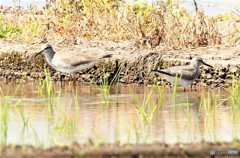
{"points": [[208, 108], [46, 89], [234, 91], [8, 30], [67, 121], [4, 117], [145, 109], [209, 104], [161, 92], [235, 97], [6, 103], [105, 85], [175, 95], [45, 86], [147, 24]]}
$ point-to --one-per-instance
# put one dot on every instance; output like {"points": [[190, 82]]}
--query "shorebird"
{"points": [[186, 74], [68, 63]]}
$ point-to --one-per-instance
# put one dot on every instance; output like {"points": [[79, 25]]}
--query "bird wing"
{"points": [[71, 59], [75, 58], [79, 60], [185, 72]]}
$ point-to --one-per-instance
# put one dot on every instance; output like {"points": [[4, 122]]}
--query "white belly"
{"points": [[71, 69], [180, 82]]}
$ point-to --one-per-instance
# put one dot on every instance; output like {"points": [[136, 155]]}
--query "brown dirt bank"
{"points": [[139, 150], [16, 60]]}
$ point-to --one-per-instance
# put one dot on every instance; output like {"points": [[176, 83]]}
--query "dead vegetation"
{"points": [[146, 24]]}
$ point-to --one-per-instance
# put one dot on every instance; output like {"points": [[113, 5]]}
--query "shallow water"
{"points": [[79, 113]]}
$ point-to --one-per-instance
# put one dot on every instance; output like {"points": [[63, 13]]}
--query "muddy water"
{"points": [[79, 113]]}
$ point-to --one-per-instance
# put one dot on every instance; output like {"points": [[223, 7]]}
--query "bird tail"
{"points": [[106, 56]]}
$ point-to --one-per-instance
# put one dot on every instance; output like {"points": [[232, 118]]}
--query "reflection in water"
{"points": [[80, 114]]}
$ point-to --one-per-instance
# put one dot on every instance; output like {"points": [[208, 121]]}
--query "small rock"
{"points": [[233, 69], [222, 74], [209, 76]]}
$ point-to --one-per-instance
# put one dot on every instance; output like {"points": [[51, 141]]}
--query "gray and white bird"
{"points": [[186, 74], [68, 62]]}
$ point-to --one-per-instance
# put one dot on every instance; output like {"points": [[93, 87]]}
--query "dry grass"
{"points": [[148, 25]]}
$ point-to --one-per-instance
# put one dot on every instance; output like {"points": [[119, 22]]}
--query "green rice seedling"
{"points": [[19, 107], [210, 104], [201, 103], [175, 95], [234, 91], [76, 109], [136, 131], [4, 118], [76, 103], [128, 131], [145, 109], [66, 121], [45, 86], [38, 141], [235, 131], [105, 86], [161, 92], [25, 120], [208, 107], [46, 90], [207, 103], [129, 125], [188, 112], [6, 104]]}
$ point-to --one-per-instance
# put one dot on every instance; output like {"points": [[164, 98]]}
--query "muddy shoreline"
{"points": [[134, 65], [137, 150]]}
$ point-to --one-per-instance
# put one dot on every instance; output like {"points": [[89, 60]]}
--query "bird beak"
{"points": [[38, 53], [206, 64]]}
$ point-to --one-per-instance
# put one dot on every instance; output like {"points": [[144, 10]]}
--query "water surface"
{"points": [[80, 113]]}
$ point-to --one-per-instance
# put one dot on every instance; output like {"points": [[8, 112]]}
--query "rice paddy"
{"points": [[47, 113], [38, 108]]}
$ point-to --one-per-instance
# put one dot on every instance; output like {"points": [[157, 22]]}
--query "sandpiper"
{"points": [[68, 63], [186, 74]]}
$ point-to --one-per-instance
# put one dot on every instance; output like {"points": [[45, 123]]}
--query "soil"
{"points": [[137, 150], [136, 64]]}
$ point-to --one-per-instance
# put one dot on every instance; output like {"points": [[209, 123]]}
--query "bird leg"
{"points": [[61, 77], [72, 78]]}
